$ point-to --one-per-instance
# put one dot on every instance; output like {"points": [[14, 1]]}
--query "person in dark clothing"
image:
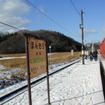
{"points": [[91, 56], [95, 54]]}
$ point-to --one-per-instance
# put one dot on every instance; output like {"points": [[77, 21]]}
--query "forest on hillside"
{"points": [[15, 42]]}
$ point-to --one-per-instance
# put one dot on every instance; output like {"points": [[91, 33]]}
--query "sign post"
{"points": [[50, 54], [48, 87], [37, 61], [28, 71]]}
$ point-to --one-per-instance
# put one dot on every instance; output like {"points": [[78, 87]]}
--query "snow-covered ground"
{"points": [[3, 58], [76, 85], [7, 79], [20, 84], [6, 74]]}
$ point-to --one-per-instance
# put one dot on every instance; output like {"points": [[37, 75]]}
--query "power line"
{"points": [[75, 8], [43, 14], [82, 5], [10, 25], [48, 17]]}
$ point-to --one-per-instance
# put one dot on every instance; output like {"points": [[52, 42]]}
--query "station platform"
{"points": [[75, 85], [89, 86]]}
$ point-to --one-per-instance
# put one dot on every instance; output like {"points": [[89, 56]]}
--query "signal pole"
{"points": [[82, 30]]}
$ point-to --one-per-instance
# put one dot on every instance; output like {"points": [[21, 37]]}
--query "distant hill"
{"points": [[15, 42]]}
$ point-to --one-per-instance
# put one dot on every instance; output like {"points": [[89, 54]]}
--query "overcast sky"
{"points": [[20, 14]]}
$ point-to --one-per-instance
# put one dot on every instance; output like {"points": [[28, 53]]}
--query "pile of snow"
{"points": [[7, 74], [76, 85], [2, 67], [8, 78]]}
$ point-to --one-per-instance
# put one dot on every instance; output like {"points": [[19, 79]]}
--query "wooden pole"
{"points": [[28, 71], [48, 87]]}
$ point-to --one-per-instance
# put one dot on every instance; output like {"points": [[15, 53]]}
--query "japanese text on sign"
{"points": [[37, 57]]}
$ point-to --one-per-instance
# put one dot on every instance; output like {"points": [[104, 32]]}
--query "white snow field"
{"points": [[76, 85]]}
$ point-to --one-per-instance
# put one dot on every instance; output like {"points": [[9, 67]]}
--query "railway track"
{"points": [[19, 91]]}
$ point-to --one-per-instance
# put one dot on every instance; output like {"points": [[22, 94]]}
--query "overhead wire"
{"points": [[10, 26], [82, 2], [48, 17], [43, 14], [75, 7]]}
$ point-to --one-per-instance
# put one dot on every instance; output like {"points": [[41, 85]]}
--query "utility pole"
{"points": [[82, 29], [92, 46], [50, 54]]}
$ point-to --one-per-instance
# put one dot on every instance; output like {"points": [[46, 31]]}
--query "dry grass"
{"points": [[10, 64], [21, 62], [63, 57], [14, 63]]}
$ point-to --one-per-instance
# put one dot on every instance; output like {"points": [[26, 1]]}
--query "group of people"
{"points": [[93, 55]]}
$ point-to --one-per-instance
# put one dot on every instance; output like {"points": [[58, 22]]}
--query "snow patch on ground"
{"points": [[2, 67], [6, 74], [76, 85], [3, 58], [20, 84]]}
